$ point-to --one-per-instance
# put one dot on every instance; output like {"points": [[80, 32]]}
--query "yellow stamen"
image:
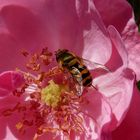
{"points": [[51, 94]]}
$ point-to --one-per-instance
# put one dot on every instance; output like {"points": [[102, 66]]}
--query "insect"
{"points": [[77, 68]]}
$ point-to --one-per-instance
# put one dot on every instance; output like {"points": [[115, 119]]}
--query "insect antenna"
{"points": [[94, 87]]}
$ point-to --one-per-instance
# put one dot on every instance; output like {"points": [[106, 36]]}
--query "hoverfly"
{"points": [[77, 68]]}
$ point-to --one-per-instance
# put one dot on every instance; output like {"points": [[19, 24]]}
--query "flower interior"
{"points": [[50, 98]]}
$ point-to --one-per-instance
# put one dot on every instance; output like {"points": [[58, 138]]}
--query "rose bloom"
{"points": [[39, 101]]}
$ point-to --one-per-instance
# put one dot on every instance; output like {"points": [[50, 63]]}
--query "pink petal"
{"points": [[117, 87], [13, 132], [130, 128], [38, 25], [7, 103], [31, 3], [119, 53], [8, 123], [134, 59], [9, 135], [2, 128], [119, 18], [12, 121], [22, 24], [9, 81], [131, 39], [124, 22], [32, 25], [20, 35], [96, 38], [97, 114]]}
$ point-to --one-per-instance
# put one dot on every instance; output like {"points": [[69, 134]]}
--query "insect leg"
{"points": [[79, 89], [94, 87]]}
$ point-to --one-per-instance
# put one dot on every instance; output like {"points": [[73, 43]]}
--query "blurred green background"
{"points": [[136, 6]]}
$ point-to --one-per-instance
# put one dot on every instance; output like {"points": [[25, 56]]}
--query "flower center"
{"points": [[49, 104], [51, 94]]}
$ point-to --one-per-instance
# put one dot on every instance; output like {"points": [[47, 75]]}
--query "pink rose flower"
{"points": [[75, 26]]}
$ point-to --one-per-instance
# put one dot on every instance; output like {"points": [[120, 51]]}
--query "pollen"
{"points": [[19, 125], [51, 94]]}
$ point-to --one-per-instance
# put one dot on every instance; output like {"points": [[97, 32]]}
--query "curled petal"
{"points": [[96, 38], [119, 53], [117, 87], [131, 38]]}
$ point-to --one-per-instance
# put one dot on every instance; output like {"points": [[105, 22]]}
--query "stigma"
{"points": [[51, 94]]}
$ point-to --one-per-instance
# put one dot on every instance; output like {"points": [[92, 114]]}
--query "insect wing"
{"points": [[93, 65]]}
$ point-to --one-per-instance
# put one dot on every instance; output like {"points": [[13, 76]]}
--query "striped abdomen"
{"points": [[79, 71]]}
